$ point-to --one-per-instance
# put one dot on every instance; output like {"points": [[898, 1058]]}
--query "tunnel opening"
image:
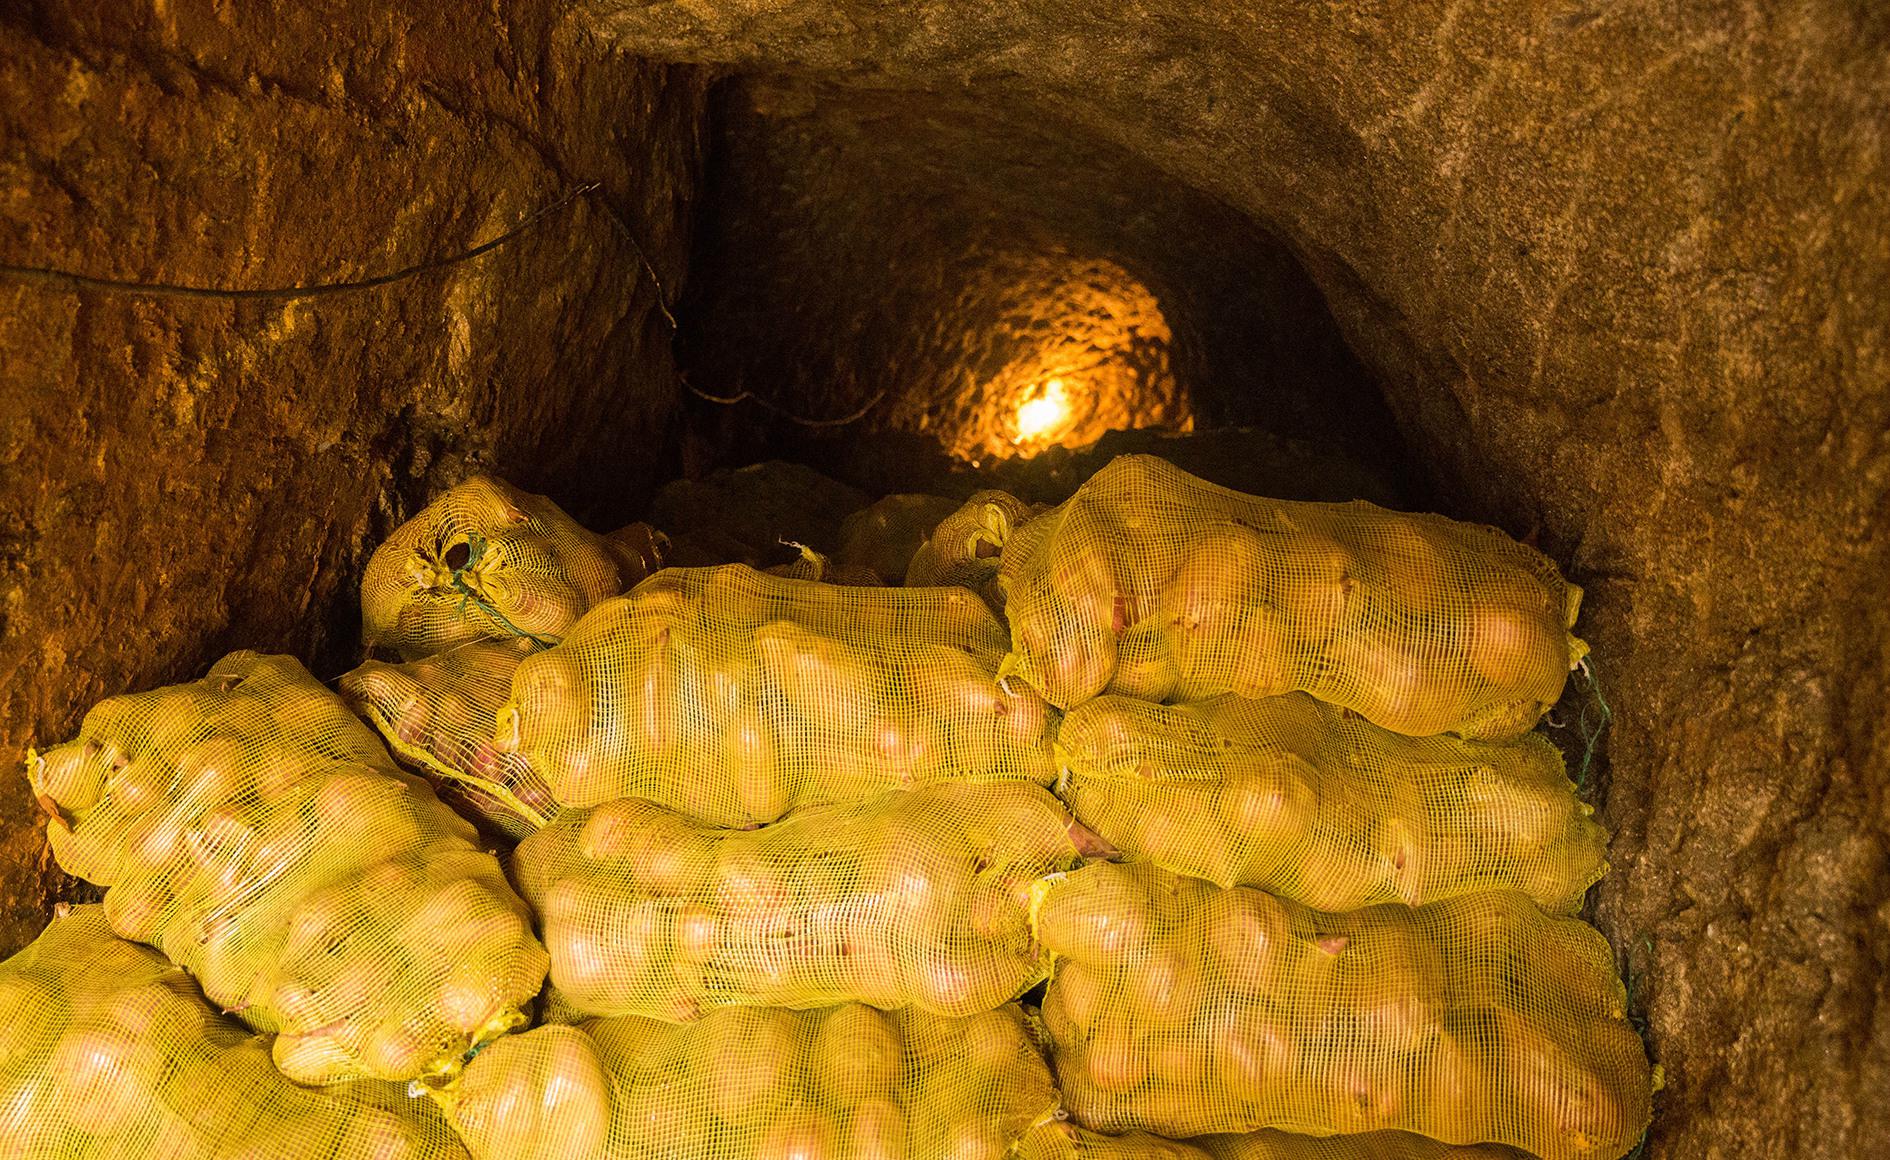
{"points": [[910, 290]]}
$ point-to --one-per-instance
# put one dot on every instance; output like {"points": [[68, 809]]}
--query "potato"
{"points": [[107, 1077], [1145, 665], [1449, 1087], [542, 1095], [68, 775], [995, 1039], [1410, 557], [1366, 1093], [1569, 1100], [552, 694], [858, 1055], [1511, 648], [1093, 917], [591, 962], [263, 868], [875, 1130], [1112, 1060], [1393, 684], [813, 671], [1069, 660], [798, 1134], [751, 1052], [1076, 993], [1166, 986], [139, 785], [760, 784]]}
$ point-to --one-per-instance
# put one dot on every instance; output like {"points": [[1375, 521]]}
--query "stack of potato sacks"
{"points": [[1342, 909], [1240, 781]]}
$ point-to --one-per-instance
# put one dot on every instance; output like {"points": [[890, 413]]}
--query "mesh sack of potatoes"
{"points": [[884, 535], [108, 1052], [733, 697], [1152, 583], [1318, 805], [486, 560], [967, 544], [436, 715], [1062, 1140], [743, 515], [811, 565], [757, 1083], [640, 550], [1269, 1144], [1181, 1008], [914, 898], [254, 830]]}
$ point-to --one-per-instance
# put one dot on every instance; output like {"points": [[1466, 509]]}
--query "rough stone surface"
{"points": [[1624, 270], [920, 261], [183, 476]]}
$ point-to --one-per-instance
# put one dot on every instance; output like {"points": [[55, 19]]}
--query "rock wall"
{"points": [[915, 260], [1624, 270], [183, 474]]}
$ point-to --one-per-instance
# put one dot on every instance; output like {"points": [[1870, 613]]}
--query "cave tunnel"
{"points": [[1610, 278]]}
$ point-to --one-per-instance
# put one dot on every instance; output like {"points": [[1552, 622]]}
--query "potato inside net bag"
{"points": [[1268, 1144], [486, 560], [251, 828], [1152, 583], [1178, 1007], [811, 565], [436, 714], [108, 1052], [884, 535], [1062, 1140], [1316, 804], [966, 545], [758, 1083], [733, 697], [914, 898]]}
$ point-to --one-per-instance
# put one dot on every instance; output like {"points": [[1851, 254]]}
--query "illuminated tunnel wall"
{"points": [[916, 280]]}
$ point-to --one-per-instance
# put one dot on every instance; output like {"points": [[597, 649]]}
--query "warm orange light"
{"points": [[1042, 414]]}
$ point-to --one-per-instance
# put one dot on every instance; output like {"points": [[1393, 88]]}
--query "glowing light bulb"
{"points": [[1043, 413]]}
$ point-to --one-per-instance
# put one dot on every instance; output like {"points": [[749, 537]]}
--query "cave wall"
{"points": [[184, 475], [909, 260], [1624, 272]]}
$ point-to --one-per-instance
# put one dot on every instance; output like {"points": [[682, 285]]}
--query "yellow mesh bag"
{"points": [[436, 715], [756, 1083], [1316, 804], [256, 832], [640, 550], [1177, 1007], [108, 1052], [884, 535], [733, 697], [1268, 1144], [486, 560], [917, 898], [967, 544], [812, 565], [1152, 583], [1061, 1140]]}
